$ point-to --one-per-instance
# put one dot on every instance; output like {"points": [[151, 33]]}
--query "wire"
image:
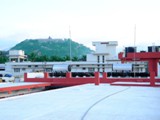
{"points": [[134, 50]]}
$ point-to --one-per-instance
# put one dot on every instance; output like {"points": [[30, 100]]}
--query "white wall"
{"points": [[16, 52], [91, 58], [106, 49]]}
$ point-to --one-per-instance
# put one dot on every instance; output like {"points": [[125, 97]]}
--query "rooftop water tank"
{"points": [[122, 67], [61, 68], [130, 50], [153, 48]]}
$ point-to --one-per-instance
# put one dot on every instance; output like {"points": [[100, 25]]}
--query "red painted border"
{"points": [[21, 87]]}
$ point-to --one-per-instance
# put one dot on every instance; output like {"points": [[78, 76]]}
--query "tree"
{"points": [[55, 58], [66, 58], [32, 57], [3, 57], [42, 58], [75, 58], [83, 58]]}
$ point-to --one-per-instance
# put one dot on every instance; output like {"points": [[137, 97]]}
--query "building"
{"points": [[103, 51], [102, 60], [17, 56]]}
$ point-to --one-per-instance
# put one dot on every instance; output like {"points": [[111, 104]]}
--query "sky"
{"points": [[89, 20]]}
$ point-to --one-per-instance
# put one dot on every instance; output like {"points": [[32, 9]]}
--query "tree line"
{"points": [[33, 57], [3, 57]]}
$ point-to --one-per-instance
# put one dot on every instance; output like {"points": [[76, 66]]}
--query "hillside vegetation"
{"points": [[52, 47]]}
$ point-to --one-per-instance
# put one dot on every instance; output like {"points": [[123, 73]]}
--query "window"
{"points": [[23, 69], [1, 75], [103, 70], [29, 66], [103, 58], [36, 65], [91, 69], [48, 69], [77, 65], [83, 68], [98, 59], [98, 68], [16, 69]]}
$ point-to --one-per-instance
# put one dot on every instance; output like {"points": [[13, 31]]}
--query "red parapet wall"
{"points": [[151, 57], [66, 81], [139, 56], [71, 81], [10, 89]]}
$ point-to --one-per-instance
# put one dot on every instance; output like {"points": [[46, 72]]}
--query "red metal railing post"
{"points": [[97, 79], [104, 75], [46, 75], [68, 75], [25, 77], [152, 78]]}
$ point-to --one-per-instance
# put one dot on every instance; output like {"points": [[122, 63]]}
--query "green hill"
{"points": [[52, 47]]}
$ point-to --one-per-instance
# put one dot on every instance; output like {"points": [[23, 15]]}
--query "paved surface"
{"points": [[85, 102]]}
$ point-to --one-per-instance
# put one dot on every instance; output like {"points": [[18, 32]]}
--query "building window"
{"points": [[48, 69], [29, 66], [91, 69], [23, 69], [1, 69], [98, 68], [77, 65], [36, 65], [16, 69], [83, 68], [103, 58], [103, 70], [98, 59]]}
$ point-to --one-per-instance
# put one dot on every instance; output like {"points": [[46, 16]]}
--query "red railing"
{"points": [[71, 81]]}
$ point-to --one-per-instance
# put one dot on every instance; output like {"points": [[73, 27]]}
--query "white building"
{"points": [[103, 51], [17, 56], [101, 60]]}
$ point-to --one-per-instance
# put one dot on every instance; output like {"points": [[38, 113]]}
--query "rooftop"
{"points": [[85, 102]]}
